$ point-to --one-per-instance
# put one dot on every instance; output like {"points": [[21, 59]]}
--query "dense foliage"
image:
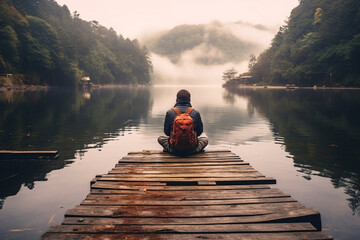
{"points": [[210, 44], [50, 46], [319, 45]]}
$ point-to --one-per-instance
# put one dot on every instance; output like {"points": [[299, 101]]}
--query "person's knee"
{"points": [[162, 139], [164, 142], [203, 140]]}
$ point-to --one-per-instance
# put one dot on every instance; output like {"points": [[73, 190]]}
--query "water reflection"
{"points": [[320, 129], [65, 120]]}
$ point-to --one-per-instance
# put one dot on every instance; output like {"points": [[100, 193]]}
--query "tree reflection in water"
{"points": [[319, 128], [61, 119]]}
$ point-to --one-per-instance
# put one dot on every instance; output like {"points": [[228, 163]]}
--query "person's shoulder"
{"points": [[170, 111], [195, 111]]}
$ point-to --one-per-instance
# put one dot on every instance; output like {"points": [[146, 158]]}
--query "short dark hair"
{"points": [[183, 96]]}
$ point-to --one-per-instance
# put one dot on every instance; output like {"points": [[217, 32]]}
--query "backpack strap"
{"points": [[176, 110], [189, 110]]}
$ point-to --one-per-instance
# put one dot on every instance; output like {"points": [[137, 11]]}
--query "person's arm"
{"points": [[167, 124], [199, 125]]}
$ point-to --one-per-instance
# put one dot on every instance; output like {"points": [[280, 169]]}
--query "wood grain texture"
{"points": [[211, 195]]}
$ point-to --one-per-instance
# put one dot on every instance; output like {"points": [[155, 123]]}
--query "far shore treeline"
{"points": [[318, 45], [42, 43]]}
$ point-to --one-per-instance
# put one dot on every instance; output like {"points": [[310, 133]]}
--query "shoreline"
{"points": [[44, 87], [24, 88], [291, 88]]}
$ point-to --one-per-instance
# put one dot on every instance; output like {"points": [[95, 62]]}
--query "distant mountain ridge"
{"points": [[210, 44]]}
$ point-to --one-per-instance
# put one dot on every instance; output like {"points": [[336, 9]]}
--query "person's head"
{"points": [[183, 96]]}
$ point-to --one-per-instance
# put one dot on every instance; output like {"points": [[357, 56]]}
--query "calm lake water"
{"points": [[309, 140]]}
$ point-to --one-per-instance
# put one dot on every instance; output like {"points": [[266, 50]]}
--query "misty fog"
{"points": [[189, 71]]}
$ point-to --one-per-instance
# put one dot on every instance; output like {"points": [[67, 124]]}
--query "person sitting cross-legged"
{"points": [[182, 127]]}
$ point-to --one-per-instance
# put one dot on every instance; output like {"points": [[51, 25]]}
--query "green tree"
{"points": [[50, 46], [317, 46], [252, 61], [9, 49], [229, 74]]}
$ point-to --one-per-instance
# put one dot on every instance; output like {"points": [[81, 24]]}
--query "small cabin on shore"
{"points": [[290, 86], [85, 81], [8, 75]]}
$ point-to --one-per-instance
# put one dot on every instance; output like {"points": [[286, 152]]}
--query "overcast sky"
{"points": [[133, 18]]}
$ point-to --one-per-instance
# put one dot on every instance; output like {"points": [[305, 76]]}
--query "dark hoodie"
{"points": [[183, 106]]}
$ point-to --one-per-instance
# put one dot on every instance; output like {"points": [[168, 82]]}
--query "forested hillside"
{"points": [[51, 46], [209, 44], [319, 45]]}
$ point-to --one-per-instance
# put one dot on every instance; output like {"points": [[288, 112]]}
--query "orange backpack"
{"points": [[182, 136]]}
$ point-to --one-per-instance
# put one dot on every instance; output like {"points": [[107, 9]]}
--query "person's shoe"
{"points": [[202, 143], [164, 142]]}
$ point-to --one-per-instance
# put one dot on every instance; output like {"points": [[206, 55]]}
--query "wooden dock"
{"points": [[9, 154], [211, 195]]}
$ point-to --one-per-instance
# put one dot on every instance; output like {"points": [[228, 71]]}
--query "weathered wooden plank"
{"points": [[188, 159], [201, 193], [10, 154], [253, 192], [179, 164], [125, 186], [185, 175], [296, 215], [185, 168], [176, 165], [180, 181], [148, 169], [135, 199], [208, 151], [219, 150], [168, 156], [145, 169], [180, 177], [177, 171], [173, 196], [129, 192], [127, 183], [178, 160], [198, 155], [114, 201], [216, 228], [229, 236], [182, 211]]}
